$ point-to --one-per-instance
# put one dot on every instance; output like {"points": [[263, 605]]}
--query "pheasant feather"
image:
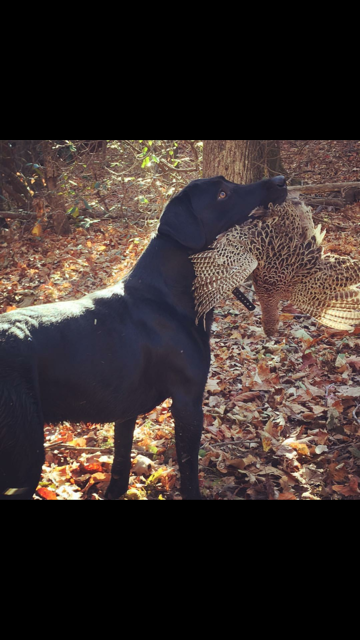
{"points": [[283, 251]]}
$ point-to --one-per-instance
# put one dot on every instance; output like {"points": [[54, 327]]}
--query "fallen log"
{"points": [[317, 188], [327, 202]]}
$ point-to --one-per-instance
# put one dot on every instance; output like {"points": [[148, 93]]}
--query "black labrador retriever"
{"points": [[118, 353]]}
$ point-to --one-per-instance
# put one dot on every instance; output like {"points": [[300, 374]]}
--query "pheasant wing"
{"points": [[338, 310], [215, 278]]}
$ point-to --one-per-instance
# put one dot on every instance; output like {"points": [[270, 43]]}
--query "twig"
{"points": [[227, 444], [327, 202], [354, 414], [63, 445]]}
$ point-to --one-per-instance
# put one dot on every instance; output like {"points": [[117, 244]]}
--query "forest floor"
{"points": [[282, 416]]}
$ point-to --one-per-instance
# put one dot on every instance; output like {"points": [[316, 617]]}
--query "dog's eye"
{"points": [[222, 195]]}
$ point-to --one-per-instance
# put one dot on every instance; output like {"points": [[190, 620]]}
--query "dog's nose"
{"points": [[280, 181]]}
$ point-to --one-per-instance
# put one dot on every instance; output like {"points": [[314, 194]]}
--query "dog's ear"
{"points": [[180, 223]]}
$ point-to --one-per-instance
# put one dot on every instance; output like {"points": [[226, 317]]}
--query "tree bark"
{"points": [[241, 161]]}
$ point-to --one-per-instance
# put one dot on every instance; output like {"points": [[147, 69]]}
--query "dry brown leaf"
{"points": [[315, 391], [297, 376], [354, 362], [212, 386], [317, 409], [239, 463], [264, 370], [297, 408], [321, 437], [349, 490], [212, 455], [337, 472], [249, 460], [308, 415], [101, 477], [248, 396], [349, 392]]}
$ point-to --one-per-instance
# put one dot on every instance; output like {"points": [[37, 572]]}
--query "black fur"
{"points": [[118, 353]]}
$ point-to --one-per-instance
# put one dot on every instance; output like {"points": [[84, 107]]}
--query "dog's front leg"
{"points": [[188, 427], [120, 471]]}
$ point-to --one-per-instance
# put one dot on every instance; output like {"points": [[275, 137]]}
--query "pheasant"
{"points": [[284, 252]]}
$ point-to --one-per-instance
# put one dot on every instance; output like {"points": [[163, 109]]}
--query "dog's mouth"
{"points": [[280, 191], [279, 181]]}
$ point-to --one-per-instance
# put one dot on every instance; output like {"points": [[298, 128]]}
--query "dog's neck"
{"points": [[174, 284]]}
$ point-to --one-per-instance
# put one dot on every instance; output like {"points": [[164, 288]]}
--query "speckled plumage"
{"points": [[284, 252]]}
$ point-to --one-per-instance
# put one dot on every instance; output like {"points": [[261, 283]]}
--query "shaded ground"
{"points": [[282, 417]]}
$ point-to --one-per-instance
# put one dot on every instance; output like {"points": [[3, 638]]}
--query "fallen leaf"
{"points": [[333, 418], [272, 429], [340, 360], [247, 396], [45, 493], [101, 477], [249, 460], [94, 466], [321, 448], [317, 409], [349, 490], [337, 472], [349, 392], [286, 316], [212, 385], [300, 447], [266, 443], [37, 230], [303, 336], [239, 463], [78, 442], [297, 408], [354, 362], [315, 391], [168, 479], [285, 450], [264, 371], [321, 436]]}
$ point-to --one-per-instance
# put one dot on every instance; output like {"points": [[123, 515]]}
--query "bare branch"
{"points": [[317, 188]]}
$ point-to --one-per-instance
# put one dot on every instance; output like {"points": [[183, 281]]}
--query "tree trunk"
{"points": [[10, 182], [241, 161]]}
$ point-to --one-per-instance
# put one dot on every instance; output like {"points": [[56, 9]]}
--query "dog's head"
{"points": [[207, 207]]}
